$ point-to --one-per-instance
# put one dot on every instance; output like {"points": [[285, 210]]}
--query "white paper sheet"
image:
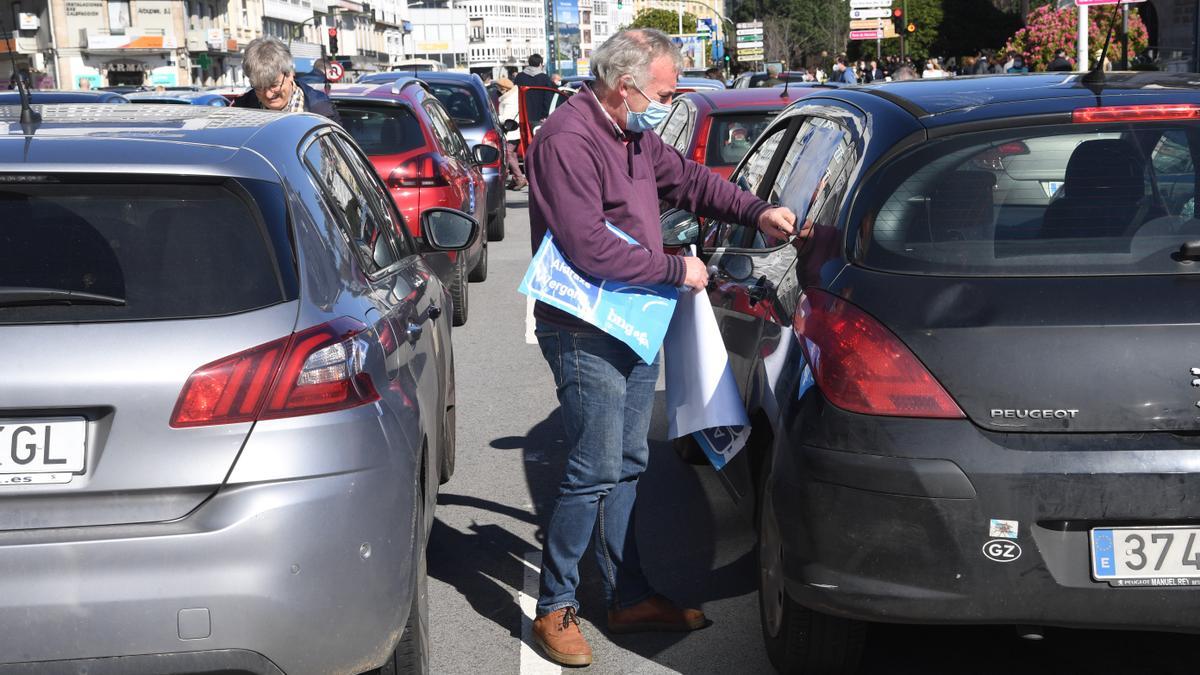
{"points": [[701, 390]]}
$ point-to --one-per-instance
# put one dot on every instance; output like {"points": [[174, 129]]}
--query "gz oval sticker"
{"points": [[1000, 550]]}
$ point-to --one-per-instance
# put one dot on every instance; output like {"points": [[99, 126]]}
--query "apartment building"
{"points": [[504, 33]]}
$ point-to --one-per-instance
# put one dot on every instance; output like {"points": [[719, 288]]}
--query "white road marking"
{"points": [[532, 662], [530, 338]]}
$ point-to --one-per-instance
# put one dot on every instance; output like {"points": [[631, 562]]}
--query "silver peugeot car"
{"points": [[228, 399]]}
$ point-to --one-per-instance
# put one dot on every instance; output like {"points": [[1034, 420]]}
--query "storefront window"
{"points": [[118, 16]]}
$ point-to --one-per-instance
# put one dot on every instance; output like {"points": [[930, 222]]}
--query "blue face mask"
{"points": [[649, 118]]}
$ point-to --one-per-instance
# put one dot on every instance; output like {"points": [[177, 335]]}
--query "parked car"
{"points": [[47, 96], [753, 79], [467, 102], [425, 162], [689, 84], [717, 128], [178, 97], [234, 402], [968, 405]]}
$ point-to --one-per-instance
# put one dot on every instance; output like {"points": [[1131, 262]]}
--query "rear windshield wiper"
{"points": [[11, 296], [1190, 250]]}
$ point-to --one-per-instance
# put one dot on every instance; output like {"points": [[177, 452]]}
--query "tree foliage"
{"points": [[1048, 29], [928, 17], [664, 20], [974, 25]]}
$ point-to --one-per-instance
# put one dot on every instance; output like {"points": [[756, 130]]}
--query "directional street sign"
{"points": [[889, 31], [749, 45], [749, 31], [876, 34], [1085, 3], [870, 13], [751, 24], [868, 4]]}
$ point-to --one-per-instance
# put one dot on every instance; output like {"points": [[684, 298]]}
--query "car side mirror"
{"points": [[486, 154], [679, 228], [737, 267], [510, 125], [448, 229]]}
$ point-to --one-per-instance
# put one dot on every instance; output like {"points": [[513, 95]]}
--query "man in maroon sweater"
{"points": [[597, 160]]}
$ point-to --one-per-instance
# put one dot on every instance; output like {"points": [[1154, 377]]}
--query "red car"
{"points": [[421, 156], [716, 128]]}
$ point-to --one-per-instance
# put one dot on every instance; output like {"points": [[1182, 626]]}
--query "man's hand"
{"points": [[695, 274], [778, 222]]}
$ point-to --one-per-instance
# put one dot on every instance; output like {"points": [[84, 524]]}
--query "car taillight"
{"points": [[1137, 113], [492, 138], [701, 149], [863, 367], [319, 369], [993, 158], [421, 171]]}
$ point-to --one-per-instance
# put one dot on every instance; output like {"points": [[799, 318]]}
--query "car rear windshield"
{"points": [[134, 251], [1050, 201], [732, 135], [460, 102], [382, 130]]}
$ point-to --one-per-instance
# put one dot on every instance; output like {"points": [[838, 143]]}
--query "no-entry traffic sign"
{"points": [[334, 71]]}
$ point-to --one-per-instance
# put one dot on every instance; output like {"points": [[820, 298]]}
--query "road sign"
{"points": [[750, 24], [868, 4], [889, 31], [750, 45], [1085, 3], [749, 31], [874, 34], [870, 13], [334, 71], [750, 37]]}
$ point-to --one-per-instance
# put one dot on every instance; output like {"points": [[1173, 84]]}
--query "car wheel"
{"points": [[458, 291], [495, 228], [799, 641], [479, 272], [449, 443], [411, 655]]}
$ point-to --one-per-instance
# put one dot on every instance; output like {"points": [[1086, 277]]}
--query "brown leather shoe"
{"points": [[558, 634], [655, 613]]}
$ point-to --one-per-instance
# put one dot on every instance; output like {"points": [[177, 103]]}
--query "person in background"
{"points": [[273, 85], [1018, 65], [1060, 64], [537, 103], [772, 80], [509, 109], [874, 72], [714, 73], [982, 64], [315, 76], [493, 91], [596, 161], [843, 73], [904, 72], [85, 84]]}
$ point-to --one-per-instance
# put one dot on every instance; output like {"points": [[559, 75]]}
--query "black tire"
{"points": [[449, 444], [799, 641], [458, 291], [495, 228], [689, 450], [479, 272], [411, 656]]}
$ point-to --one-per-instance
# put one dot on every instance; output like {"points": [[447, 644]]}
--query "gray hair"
{"points": [[265, 59], [630, 52]]}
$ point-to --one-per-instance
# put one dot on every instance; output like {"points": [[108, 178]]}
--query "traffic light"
{"points": [[620, 4], [898, 21], [911, 28], [333, 45]]}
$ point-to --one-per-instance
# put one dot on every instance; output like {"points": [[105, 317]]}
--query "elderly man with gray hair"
{"points": [[272, 75], [596, 161]]}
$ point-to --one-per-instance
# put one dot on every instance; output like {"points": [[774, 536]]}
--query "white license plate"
{"points": [[38, 451], [1146, 556]]}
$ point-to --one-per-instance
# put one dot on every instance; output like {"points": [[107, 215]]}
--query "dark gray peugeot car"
{"points": [[221, 444], [974, 388]]}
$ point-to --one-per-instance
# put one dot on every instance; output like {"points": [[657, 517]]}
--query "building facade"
{"points": [[440, 34], [504, 33]]}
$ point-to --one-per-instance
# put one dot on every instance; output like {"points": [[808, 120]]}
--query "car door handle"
{"points": [[416, 325]]}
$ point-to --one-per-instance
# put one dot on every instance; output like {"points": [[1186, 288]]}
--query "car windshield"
{"points": [[1105, 199], [459, 101], [382, 130], [732, 135], [162, 250]]}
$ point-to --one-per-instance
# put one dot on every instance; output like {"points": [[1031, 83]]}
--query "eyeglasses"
{"points": [[274, 89]]}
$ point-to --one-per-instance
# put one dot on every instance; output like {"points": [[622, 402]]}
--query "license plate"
{"points": [[42, 450], [1146, 556], [1050, 187]]}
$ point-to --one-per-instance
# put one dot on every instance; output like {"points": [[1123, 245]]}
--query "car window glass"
{"points": [[749, 176], [459, 102], [1113, 199], [672, 129], [382, 130], [348, 199], [732, 135], [820, 151], [378, 197], [451, 140]]}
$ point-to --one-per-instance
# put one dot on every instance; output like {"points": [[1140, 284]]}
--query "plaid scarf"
{"points": [[297, 102]]}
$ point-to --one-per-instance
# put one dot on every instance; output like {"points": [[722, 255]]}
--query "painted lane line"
{"points": [[532, 662]]}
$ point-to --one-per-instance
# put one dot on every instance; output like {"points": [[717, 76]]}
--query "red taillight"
{"points": [[315, 370], [863, 367], [701, 149], [421, 171], [492, 138], [993, 158], [1137, 113]]}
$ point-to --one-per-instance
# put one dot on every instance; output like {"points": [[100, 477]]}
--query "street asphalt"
{"points": [[696, 548]]}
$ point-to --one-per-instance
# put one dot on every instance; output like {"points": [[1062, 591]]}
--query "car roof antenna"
{"points": [[29, 117], [1096, 74], [786, 82]]}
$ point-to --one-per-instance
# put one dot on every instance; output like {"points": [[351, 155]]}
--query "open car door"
{"points": [[535, 104]]}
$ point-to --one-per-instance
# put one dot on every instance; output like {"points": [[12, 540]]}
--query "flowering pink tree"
{"points": [[1048, 30]]}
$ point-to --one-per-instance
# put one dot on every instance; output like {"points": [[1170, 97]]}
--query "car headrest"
{"points": [[389, 134], [961, 206], [1105, 168]]}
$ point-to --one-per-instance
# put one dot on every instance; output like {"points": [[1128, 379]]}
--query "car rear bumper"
{"points": [[898, 533], [306, 576]]}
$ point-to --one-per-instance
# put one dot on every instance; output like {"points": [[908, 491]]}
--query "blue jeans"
{"points": [[606, 394]]}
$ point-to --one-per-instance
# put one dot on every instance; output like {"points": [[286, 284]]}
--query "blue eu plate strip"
{"points": [[1103, 555]]}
